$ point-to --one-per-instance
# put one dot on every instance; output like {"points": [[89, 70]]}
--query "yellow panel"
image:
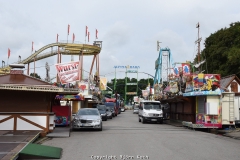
{"points": [[75, 107]]}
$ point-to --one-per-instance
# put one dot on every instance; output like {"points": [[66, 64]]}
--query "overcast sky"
{"points": [[129, 29]]}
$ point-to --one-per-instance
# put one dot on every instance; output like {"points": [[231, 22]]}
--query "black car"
{"points": [[103, 111], [112, 107]]}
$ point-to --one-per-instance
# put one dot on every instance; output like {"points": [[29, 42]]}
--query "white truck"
{"points": [[150, 111]]}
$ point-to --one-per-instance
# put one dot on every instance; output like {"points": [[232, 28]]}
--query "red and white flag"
{"points": [[68, 29], [9, 52], [57, 38], [96, 34], [88, 36], [32, 46], [73, 37], [86, 31]]}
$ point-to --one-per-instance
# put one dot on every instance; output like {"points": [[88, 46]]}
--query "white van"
{"points": [[150, 111]]}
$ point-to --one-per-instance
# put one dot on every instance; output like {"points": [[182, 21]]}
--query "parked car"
{"points": [[122, 109], [109, 113], [87, 118], [103, 111], [113, 107], [112, 110], [135, 108]]}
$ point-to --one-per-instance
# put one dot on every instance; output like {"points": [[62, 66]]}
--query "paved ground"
{"points": [[125, 136]]}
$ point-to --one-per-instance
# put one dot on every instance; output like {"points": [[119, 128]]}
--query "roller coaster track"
{"points": [[65, 49]]}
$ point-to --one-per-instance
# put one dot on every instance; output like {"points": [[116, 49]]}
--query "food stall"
{"points": [[208, 97]]}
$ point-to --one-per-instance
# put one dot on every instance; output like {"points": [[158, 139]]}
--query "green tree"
{"points": [[120, 86], [35, 75], [222, 51]]}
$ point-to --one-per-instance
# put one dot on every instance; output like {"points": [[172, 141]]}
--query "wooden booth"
{"points": [[26, 102]]}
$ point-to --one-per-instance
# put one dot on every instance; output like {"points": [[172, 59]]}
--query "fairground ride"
{"points": [[63, 49], [162, 65]]}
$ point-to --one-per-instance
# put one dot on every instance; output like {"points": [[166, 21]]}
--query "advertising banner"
{"points": [[145, 93], [135, 99], [103, 83], [186, 68], [68, 72], [83, 86], [176, 71]]}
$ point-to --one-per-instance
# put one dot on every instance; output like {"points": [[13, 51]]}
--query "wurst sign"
{"points": [[68, 72]]}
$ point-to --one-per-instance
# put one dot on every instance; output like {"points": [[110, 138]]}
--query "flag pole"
{"points": [[34, 62], [86, 33], [72, 58], [8, 55], [68, 32]]}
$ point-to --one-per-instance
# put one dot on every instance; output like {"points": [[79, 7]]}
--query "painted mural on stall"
{"points": [[202, 84]]}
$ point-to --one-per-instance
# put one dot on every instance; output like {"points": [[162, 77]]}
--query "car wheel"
{"points": [[106, 119], [139, 120], [161, 121], [100, 129], [143, 121], [111, 117]]}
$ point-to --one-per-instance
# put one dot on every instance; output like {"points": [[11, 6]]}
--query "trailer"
{"points": [[228, 108], [237, 110]]}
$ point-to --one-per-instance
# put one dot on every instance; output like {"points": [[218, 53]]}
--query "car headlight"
{"points": [[75, 119], [145, 114], [103, 114], [160, 115], [97, 121]]}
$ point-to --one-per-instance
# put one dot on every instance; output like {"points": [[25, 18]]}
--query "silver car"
{"points": [[135, 110], [87, 118]]}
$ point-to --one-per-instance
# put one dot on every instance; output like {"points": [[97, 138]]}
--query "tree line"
{"points": [[222, 51]]}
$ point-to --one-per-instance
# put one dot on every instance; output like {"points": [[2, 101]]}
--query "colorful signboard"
{"points": [[202, 93], [186, 68], [176, 71], [83, 87], [202, 82], [68, 72], [103, 83]]}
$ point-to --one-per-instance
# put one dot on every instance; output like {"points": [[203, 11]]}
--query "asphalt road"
{"points": [[125, 137]]}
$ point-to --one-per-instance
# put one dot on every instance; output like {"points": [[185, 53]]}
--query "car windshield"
{"points": [[108, 108], [136, 108], [151, 105], [88, 112], [101, 107]]}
